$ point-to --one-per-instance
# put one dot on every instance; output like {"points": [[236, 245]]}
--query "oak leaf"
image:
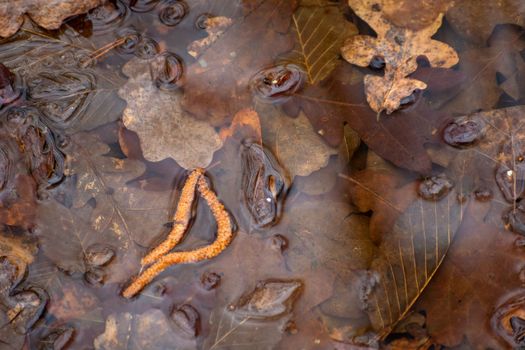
{"points": [[339, 101], [46, 13], [399, 48]]}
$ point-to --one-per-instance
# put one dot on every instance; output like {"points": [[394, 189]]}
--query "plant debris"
{"points": [[399, 49]]}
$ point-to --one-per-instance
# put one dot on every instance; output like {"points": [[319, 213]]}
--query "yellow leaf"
{"points": [[319, 32]]}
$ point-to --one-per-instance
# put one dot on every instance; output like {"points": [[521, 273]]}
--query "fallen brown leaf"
{"points": [[297, 146], [149, 330], [319, 33], [164, 129], [476, 21], [46, 13], [399, 49], [464, 294], [399, 138]]}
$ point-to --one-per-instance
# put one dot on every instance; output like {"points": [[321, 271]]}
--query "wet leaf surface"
{"points": [[340, 101], [399, 49], [164, 129], [48, 14], [60, 78], [229, 62], [319, 33], [149, 330], [476, 22], [342, 230]]}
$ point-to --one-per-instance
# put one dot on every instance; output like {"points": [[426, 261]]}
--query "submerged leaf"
{"points": [[46, 13], [71, 93], [103, 209], [251, 43], [399, 49], [476, 22], [320, 31], [149, 330], [270, 299], [297, 146], [408, 258], [164, 129]]}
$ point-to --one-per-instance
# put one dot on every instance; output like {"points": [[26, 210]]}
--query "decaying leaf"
{"points": [[103, 209], [297, 146], [319, 33], [476, 21], [149, 330], [29, 158], [408, 258], [488, 73], [70, 95], [251, 43], [413, 15], [399, 49], [270, 299], [329, 235], [21, 306], [480, 270], [46, 13], [215, 27], [339, 101], [164, 129]]}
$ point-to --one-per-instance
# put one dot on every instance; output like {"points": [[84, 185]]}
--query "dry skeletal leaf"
{"points": [[231, 332], [164, 129], [474, 289], [319, 33], [46, 13], [475, 21], [149, 330], [399, 49], [409, 256]]}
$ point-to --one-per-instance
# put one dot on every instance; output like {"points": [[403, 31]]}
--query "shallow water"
{"points": [[351, 229]]}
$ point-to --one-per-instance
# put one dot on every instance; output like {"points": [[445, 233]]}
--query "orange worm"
{"points": [[223, 239], [181, 219]]}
